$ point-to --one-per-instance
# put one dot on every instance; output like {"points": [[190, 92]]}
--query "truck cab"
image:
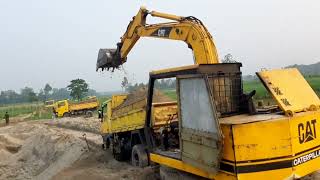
{"points": [[62, 108], [49, 104]]}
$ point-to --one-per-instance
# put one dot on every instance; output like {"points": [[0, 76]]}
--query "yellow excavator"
{"points": [[188, 29], [217, 132]]}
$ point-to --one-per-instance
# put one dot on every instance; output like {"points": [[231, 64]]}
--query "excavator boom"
{"points": [[188, 29]]}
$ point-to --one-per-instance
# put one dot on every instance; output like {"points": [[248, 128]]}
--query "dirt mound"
{"points": [[141, 94], [36, 152], [78, 123]]}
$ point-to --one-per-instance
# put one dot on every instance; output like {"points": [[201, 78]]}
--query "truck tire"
{"points": [[88, 114], [66, 114], [139, 156]]}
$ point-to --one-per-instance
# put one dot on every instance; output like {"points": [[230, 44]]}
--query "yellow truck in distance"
{"points": [[66, 108], [49, 104]]}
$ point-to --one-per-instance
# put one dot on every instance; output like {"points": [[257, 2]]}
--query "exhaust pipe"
{"points": [[109, 58]]}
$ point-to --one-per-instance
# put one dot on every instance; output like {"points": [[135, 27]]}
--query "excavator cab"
{"points": [[205, 93]]}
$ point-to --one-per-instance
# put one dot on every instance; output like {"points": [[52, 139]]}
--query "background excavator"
{"points": [[212, 130], [188, 29]]}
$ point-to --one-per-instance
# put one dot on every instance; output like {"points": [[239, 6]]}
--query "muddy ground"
{"points": [[57, 149], [63, 149]]}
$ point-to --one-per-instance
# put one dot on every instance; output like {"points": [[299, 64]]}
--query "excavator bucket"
{"points": [[108, 58]]}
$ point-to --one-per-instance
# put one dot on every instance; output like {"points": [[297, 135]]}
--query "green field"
{"points": [[261, 92], [19, 109], [31, 111]]}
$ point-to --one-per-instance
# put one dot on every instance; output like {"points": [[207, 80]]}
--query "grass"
{"points": [[314, 82], [19, 109], [262, 93], [171, 93], [41, 113], [35, 110]]}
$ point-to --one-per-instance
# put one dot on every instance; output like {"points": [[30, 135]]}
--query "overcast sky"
{"points": [[56, 41]]}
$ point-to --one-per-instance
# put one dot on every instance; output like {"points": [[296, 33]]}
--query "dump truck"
{"points": [[130, 108], [49, 104], [217, 132], [66, 108]]}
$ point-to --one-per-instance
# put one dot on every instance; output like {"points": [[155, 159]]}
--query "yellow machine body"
{"points": [[282, 145], [267, 146]]}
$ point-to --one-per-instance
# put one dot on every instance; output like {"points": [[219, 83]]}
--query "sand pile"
{"points": [[141, 94], [33, 151], [78, 123]]}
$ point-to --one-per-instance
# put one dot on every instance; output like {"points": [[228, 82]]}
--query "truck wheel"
{"points": [[89, 114], [139, 156], [66, 115]]}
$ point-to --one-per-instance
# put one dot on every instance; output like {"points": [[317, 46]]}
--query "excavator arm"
{"points": [[188, 29]]}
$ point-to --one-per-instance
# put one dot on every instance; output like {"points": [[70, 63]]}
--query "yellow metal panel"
{"points": [[279, 174], [262, 140], [290, 89], [82, 106], [174, 69], [227, 151], [177, 164], [305, 131]]}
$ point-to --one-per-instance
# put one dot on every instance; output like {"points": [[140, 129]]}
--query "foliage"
{"points": [[228, 58], [79, 88], [28, 94], [124, 83], [47, 89], [171, 93], [159, 84], [311, 69]]}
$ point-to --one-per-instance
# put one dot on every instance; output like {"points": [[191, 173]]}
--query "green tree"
{"points": [[60, 93], [47, 89], [124, 83], [78, 88], [28, 94], [41, 95]]}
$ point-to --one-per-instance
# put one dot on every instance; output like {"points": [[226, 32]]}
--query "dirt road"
{"points": [[57, 150]]}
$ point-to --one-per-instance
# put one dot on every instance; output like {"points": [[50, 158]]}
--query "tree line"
{"points": [[77, 89], [159, 84]]}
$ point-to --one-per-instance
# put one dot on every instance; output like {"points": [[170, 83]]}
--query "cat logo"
{"points": [[162, 32], [307, 131]]}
